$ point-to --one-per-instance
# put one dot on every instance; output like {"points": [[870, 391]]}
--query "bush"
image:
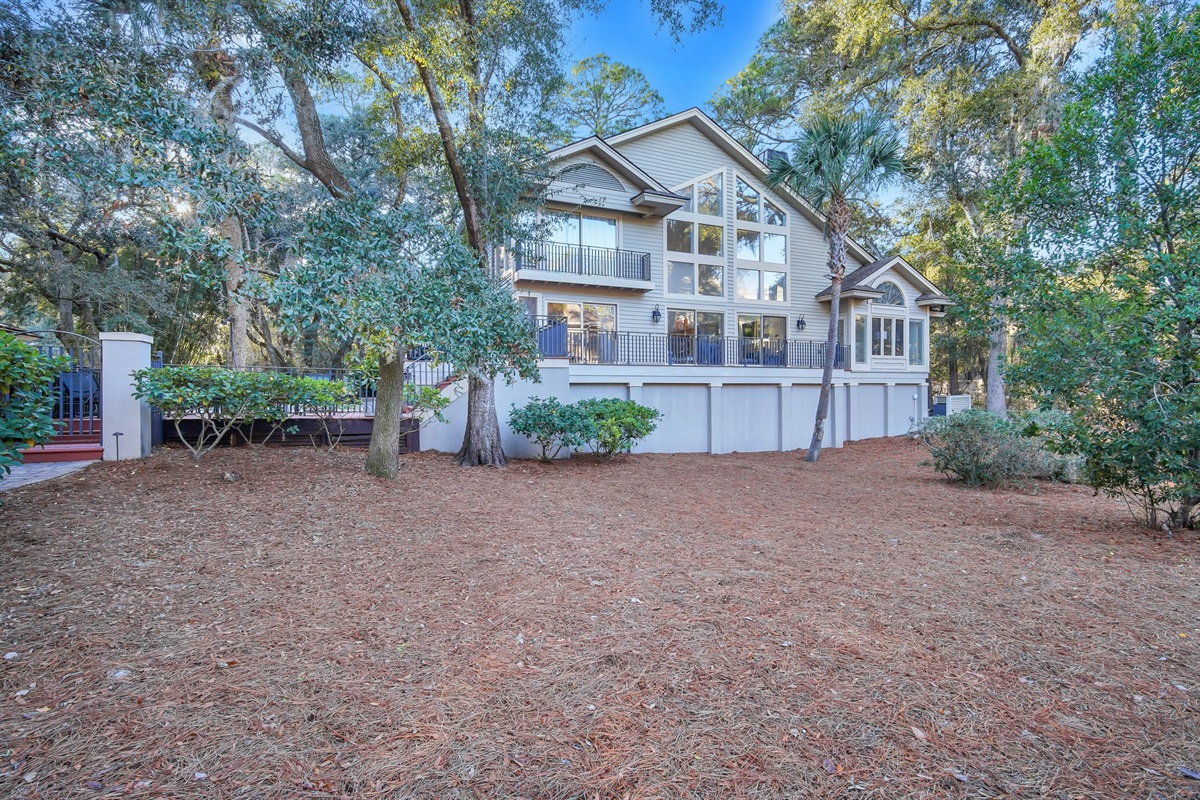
{"points": [[982, 449], [617, 425], [551, 425], [221, 399], [26, 398]]}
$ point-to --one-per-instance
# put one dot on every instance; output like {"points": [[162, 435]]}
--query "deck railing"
{"points": [[421, 368], [582, 260], [555, 340]]}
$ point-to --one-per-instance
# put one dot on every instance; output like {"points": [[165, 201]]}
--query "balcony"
{"points": [[581, 265], [555, 340]]}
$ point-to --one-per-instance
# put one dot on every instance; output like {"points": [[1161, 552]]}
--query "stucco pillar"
{"points": [[850, 411], [635, 392], [787, 433], [888, 390], [715, 445], [120, 411]]}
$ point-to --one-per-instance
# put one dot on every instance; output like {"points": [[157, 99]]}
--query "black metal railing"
{"points": [[583, 260], [76, 391], [660, 349]]}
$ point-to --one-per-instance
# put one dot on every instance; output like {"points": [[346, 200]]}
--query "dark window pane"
{"points": [[710, 240], [712, 280], [709, 323], [775, 327], [750, 327], [776, 285], [679, 236], [898, 339], [876, 337]]}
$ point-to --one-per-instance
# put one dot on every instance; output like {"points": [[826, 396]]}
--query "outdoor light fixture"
{"points": [[801, 324], [656, 314]]}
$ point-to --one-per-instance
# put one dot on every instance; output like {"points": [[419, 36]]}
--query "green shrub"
{"points": [[617, 425], [222, 399], [26, 398], [551, 425], [982, 449]]}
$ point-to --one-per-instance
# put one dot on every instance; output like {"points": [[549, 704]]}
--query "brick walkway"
{"points": [[25, 474]]}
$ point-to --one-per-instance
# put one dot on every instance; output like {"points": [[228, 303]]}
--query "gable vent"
{"points": [[592, 175]]}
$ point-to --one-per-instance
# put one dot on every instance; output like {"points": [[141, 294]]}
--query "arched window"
{"points": [[892, 296]]}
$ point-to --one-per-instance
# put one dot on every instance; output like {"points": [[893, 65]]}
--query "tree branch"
{"points": [[275, 139]]}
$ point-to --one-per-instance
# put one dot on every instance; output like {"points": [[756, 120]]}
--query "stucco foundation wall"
{"points": [[866, 411], [750, 418], [684, 425], [763, 410]]}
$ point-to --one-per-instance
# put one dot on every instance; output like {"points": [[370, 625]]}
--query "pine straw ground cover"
{"points": [[689, 626]]}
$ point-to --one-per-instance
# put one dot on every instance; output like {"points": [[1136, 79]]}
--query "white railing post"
{"points": [[122, 413]]}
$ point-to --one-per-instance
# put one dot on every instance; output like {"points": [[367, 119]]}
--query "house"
{"points": [[671, 275]]}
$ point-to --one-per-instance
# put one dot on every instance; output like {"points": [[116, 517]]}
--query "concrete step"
{"points": [[55, 452]]}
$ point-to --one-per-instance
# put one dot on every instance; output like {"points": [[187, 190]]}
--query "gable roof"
{"points": [[860, 280], [605, 152], [707, 126]]}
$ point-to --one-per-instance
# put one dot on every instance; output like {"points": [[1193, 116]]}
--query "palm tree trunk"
{"points": [[839, 226]]}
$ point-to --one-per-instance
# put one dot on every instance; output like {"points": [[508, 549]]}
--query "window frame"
{"points": [[691, 216], [582, 304], [578, 215]]}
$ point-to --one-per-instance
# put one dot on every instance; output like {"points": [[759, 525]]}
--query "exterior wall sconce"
{"points": [[656, 314], [801, 324]]}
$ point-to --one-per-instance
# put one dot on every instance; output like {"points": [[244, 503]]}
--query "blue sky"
{"points": [[685, 74]]}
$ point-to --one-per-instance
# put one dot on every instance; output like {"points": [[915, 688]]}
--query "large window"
{"points": [[761, 246], [689, 322], [696, 244], [860, 338], [916, 342], [704, 196], [581, 229], [753, 206], [887, 336], [585, 316], [759, 284], [762, 326], [687, 277]]}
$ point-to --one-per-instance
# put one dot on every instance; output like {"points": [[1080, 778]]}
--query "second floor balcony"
{"points": [[581, 265]]}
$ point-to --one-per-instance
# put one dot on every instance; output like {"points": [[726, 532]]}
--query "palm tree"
{"points": [[835, 162]]}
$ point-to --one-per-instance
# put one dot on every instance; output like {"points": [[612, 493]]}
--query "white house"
{"points": [[673, 276]]}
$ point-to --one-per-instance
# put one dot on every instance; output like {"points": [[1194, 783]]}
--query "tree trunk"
{"points": [[997, 400], [839, 227], [831, 348], [481, 444], [383, 452], [236, 306]]}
